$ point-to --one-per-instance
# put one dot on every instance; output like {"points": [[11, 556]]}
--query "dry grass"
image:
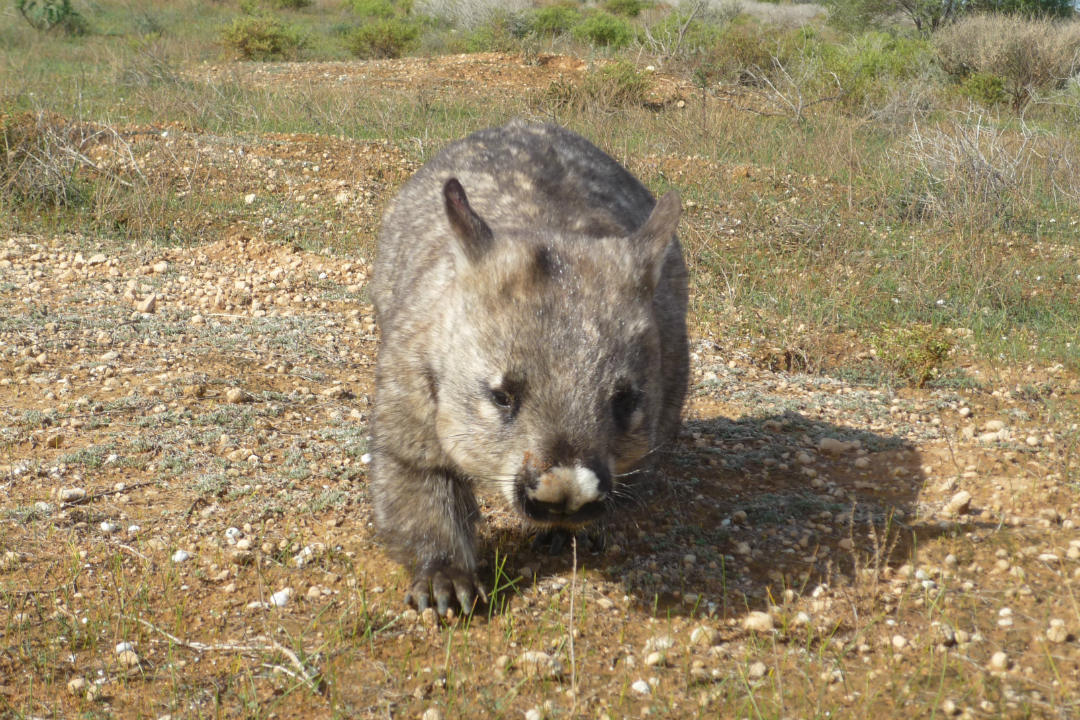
{"points": [[1030, 55], [809, 270]]}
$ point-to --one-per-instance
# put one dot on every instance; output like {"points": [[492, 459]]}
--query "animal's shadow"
{"points": [[737, 511]]}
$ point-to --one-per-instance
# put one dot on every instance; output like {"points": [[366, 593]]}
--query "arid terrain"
{"points": [[187, 532]]}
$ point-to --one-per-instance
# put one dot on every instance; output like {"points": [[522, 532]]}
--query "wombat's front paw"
{"points": [[443, 583]]}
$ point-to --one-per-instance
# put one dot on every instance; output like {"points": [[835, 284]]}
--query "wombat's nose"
{"points": [[565, 490]]}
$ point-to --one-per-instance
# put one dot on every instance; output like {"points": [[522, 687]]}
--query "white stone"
{"points": [[758, 621], [181, 556], [281, 597]]}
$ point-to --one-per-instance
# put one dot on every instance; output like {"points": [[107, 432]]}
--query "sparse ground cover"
{"points": [[872, 508]]}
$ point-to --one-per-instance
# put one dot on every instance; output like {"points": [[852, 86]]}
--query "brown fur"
{"points": [[531, 296]]}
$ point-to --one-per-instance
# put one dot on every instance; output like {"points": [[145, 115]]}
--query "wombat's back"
{"points": [[539, 175]]}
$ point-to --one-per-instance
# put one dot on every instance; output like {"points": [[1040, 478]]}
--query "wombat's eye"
{"points": [[502, 399], [623, 405]]}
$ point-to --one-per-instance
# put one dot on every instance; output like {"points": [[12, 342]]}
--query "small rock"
{"points": [[660, 643], [160, 266], [959, 504], [70, 495], [196, 319], [281, 597], [148, 304], [999, 661], [128, 658], [249, 198], [641, 687], [702, 635], [314, 592], [54, 441], [1057, 632], [964, 412], [949, 707], [97, 259], [993, 425], [432, 713], [757, 670], [76, 685], [235, 395], [833, 446], [539, 664], [181, 556], [107, 527], [655, 658], [758, 621], [899, 642]]}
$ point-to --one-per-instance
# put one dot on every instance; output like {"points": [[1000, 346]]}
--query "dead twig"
{"points": [[104, 493], [311, 679]]}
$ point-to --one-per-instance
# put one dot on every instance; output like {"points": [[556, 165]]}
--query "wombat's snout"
{"points": [[567, 493]]}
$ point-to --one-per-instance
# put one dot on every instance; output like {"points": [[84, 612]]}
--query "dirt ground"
{"points": [[187, 530]]}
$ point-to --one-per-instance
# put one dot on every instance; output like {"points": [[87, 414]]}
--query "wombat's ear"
{"points": [[654, 237], [472, 232]]}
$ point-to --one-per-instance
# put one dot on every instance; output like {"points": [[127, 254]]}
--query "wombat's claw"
{"points": [[444, 585]]}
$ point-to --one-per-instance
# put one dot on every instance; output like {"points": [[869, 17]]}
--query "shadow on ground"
{"points": [[741, 510]]}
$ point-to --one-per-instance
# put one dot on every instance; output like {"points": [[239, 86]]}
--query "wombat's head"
{"points": [[548, 387]]}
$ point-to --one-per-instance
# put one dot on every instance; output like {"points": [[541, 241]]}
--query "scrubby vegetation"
{"points": [[871, 509]]}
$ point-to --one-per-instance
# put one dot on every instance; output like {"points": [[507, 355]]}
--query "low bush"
{"points": [[48, 15], [261, 37], [1029, 55], [384, 38], [915, 353], [604, 30], [555, 19], [629, 8]]}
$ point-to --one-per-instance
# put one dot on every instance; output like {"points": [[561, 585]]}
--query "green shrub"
{"points": [[555, 19], [605, 30], [501, 33], [872, 64], [261, 37], [914, 353], [678, 35], [629, 8], [48, 15], [384, 38], [985, 88], [292, 4], [378, 8]]}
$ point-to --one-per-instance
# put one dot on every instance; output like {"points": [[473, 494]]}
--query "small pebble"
{"points": [[76, 685], [899, 642], [1057, 632], [281, 597], [999, 661], [180, 556], [758, 621], [69, 495], [432, 713], [128, 658], [539, 664], [641, 687], [757, 670]]}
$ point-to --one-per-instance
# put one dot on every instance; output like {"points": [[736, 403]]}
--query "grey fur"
{"points": [[531, 296]]}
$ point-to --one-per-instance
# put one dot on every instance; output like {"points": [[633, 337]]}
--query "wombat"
{"points": [[531, 296]]}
